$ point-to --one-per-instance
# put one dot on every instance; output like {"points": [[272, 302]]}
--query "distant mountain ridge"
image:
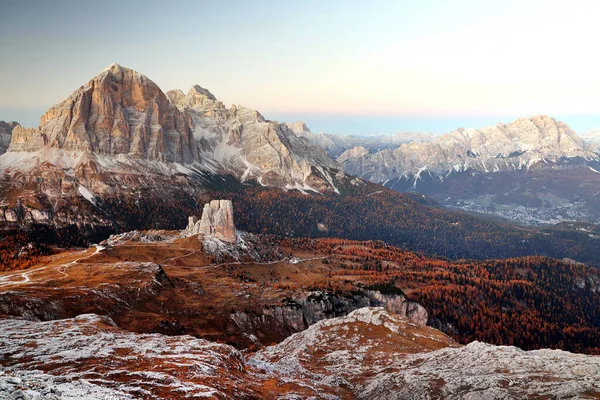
{"points": [[335, 145], [519, 144], [532, 170]]}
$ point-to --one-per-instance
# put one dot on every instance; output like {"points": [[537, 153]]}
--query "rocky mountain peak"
{"points": [[298, 127], [197, 97], [119, 111], [357, 151], [199, 91]]}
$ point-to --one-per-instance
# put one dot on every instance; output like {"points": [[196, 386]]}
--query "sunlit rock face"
{"points": [[119, 111]]}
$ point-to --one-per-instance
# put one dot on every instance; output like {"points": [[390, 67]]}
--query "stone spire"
{"points": [[217, 221]]}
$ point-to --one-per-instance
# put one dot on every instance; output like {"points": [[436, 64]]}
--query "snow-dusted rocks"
{"points": [[92, 355], [483, 371], [216, 221], [379, 355], [368, 354]]}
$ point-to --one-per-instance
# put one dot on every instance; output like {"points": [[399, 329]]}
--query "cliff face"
{"points": [[119, 111], [6, 130], [301, 312]]}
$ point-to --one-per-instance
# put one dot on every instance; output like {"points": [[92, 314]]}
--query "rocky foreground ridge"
{"points": [[368, 354]]}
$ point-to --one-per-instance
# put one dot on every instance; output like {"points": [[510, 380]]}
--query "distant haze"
{"points": [[341, 66]]}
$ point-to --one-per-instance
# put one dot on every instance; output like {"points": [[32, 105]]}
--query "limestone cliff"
{"points": [[119, 111]]}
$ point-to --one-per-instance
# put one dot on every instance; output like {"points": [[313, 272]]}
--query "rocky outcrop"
{"points": [[303, 311], [520, 144], [398, 304], [6, 129], [378, 355], [216, 221]]}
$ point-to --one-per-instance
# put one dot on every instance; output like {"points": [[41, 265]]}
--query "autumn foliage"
{"points": [[529, 302]]}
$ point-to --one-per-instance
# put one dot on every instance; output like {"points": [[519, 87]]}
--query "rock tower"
{"points": [[217, 221]]}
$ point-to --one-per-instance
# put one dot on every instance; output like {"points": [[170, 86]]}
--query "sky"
{"points": [[356, 67]]}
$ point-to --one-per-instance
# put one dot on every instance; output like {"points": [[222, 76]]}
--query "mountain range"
{"points": [[533, 170], [330, 284], [120, 154]]}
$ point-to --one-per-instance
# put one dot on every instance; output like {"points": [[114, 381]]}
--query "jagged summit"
{"points": [[201, 91], [114, 66], [197, 97]]}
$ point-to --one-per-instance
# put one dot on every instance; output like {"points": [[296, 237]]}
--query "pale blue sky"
{"points": [[342, 66]]}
